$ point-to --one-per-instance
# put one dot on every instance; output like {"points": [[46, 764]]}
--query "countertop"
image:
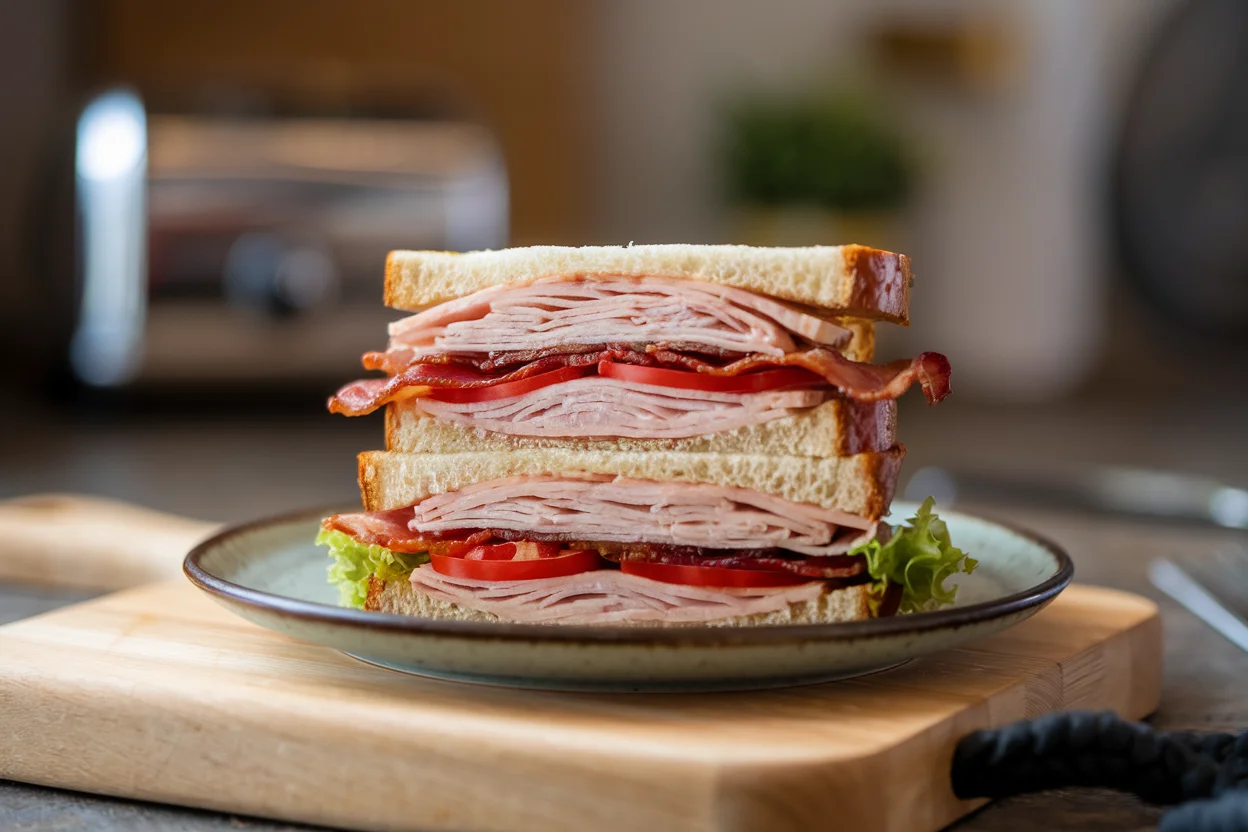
{"points": [[223, 468]]}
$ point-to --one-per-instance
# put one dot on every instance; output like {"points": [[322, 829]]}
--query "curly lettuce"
{"points": [[354, 562], [918, 557]]}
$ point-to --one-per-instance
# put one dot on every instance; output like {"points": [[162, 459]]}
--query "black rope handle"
{"points": [[1208, 773]]}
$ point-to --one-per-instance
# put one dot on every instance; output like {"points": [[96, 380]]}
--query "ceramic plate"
{"points": [[271, 573]]}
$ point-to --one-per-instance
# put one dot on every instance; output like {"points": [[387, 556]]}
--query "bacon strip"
{"points": [[852, 379], [810, 566], [389, 529], [491, 364], [362, 397]]}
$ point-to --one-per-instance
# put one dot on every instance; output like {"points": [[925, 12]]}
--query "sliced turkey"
{"points": [[554, 312], [607, 596], [606, 407], [606, 508]]}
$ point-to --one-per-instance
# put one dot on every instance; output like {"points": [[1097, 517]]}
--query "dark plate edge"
{"points": [[1036, 596]]}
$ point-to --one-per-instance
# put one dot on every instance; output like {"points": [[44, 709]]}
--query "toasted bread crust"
{"points": [[373, 599], [861, 346], [852, 280], [862, 484], [883, 281]]}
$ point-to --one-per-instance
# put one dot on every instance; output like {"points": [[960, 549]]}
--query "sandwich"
{"points": [[663, 435]]}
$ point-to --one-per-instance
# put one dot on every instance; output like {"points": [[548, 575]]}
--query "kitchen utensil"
{"points": [[1213, 587]]}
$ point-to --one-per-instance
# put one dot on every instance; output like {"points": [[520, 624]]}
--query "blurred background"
{"points": [[196, 199]]}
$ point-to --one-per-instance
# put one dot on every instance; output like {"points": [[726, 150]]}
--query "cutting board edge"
{"points": [[1141, 642], [742, 791]]}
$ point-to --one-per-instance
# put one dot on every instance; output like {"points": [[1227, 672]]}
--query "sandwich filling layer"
{"points": [[518, 545], [596, 407], [512, 349], [623, 510], [704, 317], [608, 597]]}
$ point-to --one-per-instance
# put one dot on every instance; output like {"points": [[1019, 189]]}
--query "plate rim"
{"points": [[1035, 596]]}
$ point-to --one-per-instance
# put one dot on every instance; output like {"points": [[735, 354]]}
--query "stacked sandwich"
{"points": [[665, 434]]}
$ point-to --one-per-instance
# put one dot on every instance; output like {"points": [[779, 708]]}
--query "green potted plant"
{"points": [[818, 169]]}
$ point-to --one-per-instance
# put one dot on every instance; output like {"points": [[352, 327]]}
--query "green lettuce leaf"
{"points": [[354, 562], [919, 556]]}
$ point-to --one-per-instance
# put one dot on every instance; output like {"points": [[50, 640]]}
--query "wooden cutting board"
{"points": [[84, 542], [156, 693]]}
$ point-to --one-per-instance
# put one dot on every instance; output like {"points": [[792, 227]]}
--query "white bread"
{"points": [[861, 346], [851, 280], [847, 604], [861, 484], [834, 428]]}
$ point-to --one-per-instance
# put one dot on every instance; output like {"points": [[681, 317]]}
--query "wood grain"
{"points": [[71, 540], [156, 693]]}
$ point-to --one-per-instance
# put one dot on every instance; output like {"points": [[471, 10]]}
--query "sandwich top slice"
{"points": [[852, 280], [662, 343], [591, 537]]}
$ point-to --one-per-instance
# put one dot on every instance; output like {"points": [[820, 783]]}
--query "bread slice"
{"points": [[861, 346], [846, 604], [834, 428], [854, 281], [861, 484]]}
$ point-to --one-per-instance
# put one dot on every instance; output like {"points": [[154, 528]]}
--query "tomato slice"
{"points": [[469, 395], [717, 576], [757, 382], [572, 562]]}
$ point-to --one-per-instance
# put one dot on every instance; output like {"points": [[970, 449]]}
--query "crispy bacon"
{"points": [[362, 397], [393, 363], [852, 379], [389, 530], [850, 566], [770, 560]]}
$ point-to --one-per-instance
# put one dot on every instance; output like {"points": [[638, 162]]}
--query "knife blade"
{"points": [[1213, 588]]}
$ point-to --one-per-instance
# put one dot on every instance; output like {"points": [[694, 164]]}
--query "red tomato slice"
{"points": [[569, 563], [468, 395], [497, 551], [717, 576], [758, 382]]}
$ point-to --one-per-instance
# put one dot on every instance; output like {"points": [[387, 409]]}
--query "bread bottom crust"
{"points": [[401, 598]]}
